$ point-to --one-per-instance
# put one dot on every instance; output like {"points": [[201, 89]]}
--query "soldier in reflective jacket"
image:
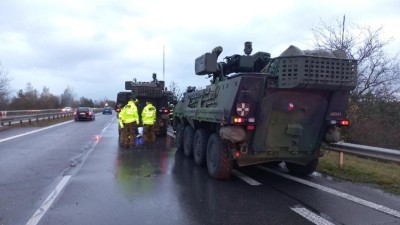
{"points": [[149, 118], [128, 120]]}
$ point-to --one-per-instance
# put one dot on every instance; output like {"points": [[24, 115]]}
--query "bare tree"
{"points": [[26, 99], [378, 72], [48, 100], [67, 98], [5, 88], [173, 87]]}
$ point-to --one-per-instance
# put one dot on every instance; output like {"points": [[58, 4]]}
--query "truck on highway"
{"points": [[259, 109], [153, 91]]}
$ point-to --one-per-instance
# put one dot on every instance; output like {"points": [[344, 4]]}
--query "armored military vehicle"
{"points": [[259, 109], [153, 91]]}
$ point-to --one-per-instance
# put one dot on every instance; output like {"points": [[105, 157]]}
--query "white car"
{"points": [[67, 109]]}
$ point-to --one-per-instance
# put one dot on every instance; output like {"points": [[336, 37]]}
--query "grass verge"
{"points": [[360, 170]]}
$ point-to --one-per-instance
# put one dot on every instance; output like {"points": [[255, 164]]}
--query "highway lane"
{"points": [[109, 185], [31, 165]]}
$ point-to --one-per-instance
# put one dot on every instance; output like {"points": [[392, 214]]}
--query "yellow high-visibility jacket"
{"points": [[149, 114], [129, 113]]}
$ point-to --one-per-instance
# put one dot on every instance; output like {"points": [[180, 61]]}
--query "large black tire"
{"points": [[302, 170], [188, 136], [219, 164], [200, 146], [179, 137]]}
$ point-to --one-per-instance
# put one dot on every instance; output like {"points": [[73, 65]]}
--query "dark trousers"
{"points": [[149, 134], [128, 134]]}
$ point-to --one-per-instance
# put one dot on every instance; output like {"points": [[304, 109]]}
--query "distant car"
{"points": [[107, 110], [84, 113], [67, 109]]}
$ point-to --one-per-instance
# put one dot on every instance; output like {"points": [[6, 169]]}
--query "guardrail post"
{"points": [[341, 159], [20, 122], [29, 121]]}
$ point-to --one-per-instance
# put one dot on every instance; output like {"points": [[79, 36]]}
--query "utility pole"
{"points": [[344, 19], [163, 63]]}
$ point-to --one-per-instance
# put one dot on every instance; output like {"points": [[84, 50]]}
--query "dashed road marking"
{"points": [[37, 216], [314, 218], [349, 197], [245, 178]]}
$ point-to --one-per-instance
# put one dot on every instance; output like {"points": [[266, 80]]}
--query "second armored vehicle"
{"points": [[259, 109], [153, 91]]}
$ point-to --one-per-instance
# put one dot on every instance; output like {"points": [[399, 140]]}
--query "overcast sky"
{"points": [[94, 46]]}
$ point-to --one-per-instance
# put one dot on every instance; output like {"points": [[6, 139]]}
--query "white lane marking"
{"points": [[49, 201], [337, 193], [245, 178], [37, 216], [314, 218], [31, 132]]}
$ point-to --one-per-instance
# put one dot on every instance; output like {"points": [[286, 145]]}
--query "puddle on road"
{"points": [[139, 169]]}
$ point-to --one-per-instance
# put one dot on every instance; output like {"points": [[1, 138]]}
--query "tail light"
{"points": [[238, 119], [290, 107], [343, 123], [164, 110], [250, 127]]}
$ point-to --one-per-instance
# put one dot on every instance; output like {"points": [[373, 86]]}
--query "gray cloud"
{"points": [[95, 46]]}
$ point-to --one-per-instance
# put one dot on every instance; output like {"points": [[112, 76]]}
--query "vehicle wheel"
{"points": [[200, 146], [179, 137], [302, 170], [188, 136], [218, 162]]}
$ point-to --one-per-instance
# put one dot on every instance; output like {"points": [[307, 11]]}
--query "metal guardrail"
{"points": [[20, 116], [390, 155]]}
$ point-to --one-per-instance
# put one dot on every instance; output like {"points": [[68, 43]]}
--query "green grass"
{"points": [[360, 170]]}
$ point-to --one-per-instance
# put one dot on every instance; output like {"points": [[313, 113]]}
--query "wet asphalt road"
{"points": [[104, 184]]}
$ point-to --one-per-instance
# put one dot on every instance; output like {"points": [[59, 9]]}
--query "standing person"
{"points": [[149, 118], [128, 119]]}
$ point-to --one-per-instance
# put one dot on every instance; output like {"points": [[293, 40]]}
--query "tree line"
{"points": [[31, 98]]}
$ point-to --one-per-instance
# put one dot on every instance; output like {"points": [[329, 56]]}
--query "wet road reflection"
{"points": [[136, 169]]}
